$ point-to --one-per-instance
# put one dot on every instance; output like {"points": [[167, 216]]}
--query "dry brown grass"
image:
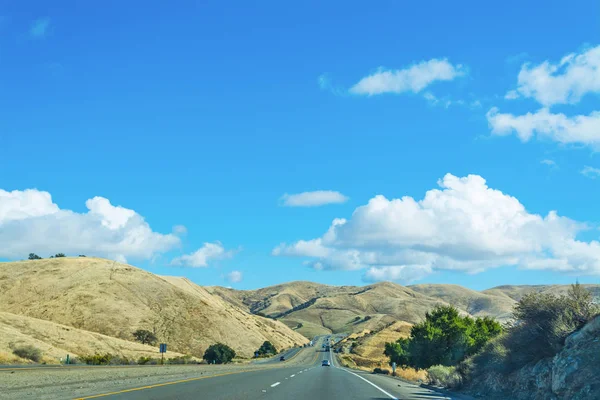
{"points": [[56, 341], [411, 374], [114, 299]]}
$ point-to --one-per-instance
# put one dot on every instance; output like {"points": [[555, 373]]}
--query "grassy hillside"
{"points": [[478, 304], [56, 341], [516, 292], [320, 309], [115, 299]]}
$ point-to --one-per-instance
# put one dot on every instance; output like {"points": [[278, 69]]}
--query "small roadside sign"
{"points": [[163, 350], [394, 368]]}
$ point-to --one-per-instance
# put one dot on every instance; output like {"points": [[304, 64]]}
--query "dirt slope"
{"points": [[114, 299]]}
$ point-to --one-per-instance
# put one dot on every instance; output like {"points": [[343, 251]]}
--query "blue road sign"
{"points": [[163, 347]]}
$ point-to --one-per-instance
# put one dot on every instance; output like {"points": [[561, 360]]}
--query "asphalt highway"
{"points": [[303, 377]]}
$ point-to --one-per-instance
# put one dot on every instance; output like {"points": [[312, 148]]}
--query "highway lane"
{"points": [[306, 380]]}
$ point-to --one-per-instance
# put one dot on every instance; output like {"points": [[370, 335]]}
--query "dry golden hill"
{"points": [[114, 299], [313, 309], [516, 292], [56, 341], [478, 304], [365, 349]]}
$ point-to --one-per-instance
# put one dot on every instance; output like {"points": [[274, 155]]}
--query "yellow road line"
{"points": [[158, 385], [82, 367]]}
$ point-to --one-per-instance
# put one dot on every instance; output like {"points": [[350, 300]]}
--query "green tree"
{"points": [[33, 256], [267, 348], [444, 338], [57, 255], [398, 352], [145, 336], [219, 353]]}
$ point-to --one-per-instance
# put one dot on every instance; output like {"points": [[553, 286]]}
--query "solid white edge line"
{"points": [[275, 384], [372, 384]]}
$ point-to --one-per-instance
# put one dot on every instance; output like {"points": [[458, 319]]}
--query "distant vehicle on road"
{"points": [[326, 363], [282, 358]]}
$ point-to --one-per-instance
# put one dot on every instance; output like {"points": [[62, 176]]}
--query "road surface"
{"points": [[300, 378]]}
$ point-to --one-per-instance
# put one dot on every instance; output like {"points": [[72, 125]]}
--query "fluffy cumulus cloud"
{"points": [[580, 129], [413, 79], [463, 225], [31, 222], [563, 82], [234, 276], [201, 257], [313, 199]]}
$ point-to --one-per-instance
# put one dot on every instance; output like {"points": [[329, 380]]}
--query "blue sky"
{"points": [[204, 115]]}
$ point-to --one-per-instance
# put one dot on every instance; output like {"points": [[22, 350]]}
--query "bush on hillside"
{"points": [[57, 255], [219, 353], [28, 352], [105, 359], [266, 349], [441, 375], [541, 324], [33, 256], [444, 338], [145, 336]]}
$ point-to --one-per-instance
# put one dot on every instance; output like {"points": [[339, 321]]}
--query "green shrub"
{"points": [[145, 337], [219, 353], [97, 359], [148, 361], [266, 349], [33, 256], [180, 360], [541, 324], [441, 375], [444, 338], [28, 352]]}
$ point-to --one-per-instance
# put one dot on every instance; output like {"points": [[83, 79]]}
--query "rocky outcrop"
{"points": [[573, 374]]}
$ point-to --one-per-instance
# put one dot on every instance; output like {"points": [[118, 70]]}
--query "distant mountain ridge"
{"points": [[312, 308]]}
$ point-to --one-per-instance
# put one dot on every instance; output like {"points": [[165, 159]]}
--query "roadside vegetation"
{"points": [[267, 349], [28, 352], [457, 351], [219, 353], [444, 338], [542, 322]]}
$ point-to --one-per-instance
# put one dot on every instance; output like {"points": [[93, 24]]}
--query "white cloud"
{"points": [[313, 199], [591, 172], [511, 95], [464, 225], [558, 127], [548, 162], [201, 257], [179, 230], [31, 222], [565, 82], [234, 276], [39, 27], [414, 78], [405, 273]]}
